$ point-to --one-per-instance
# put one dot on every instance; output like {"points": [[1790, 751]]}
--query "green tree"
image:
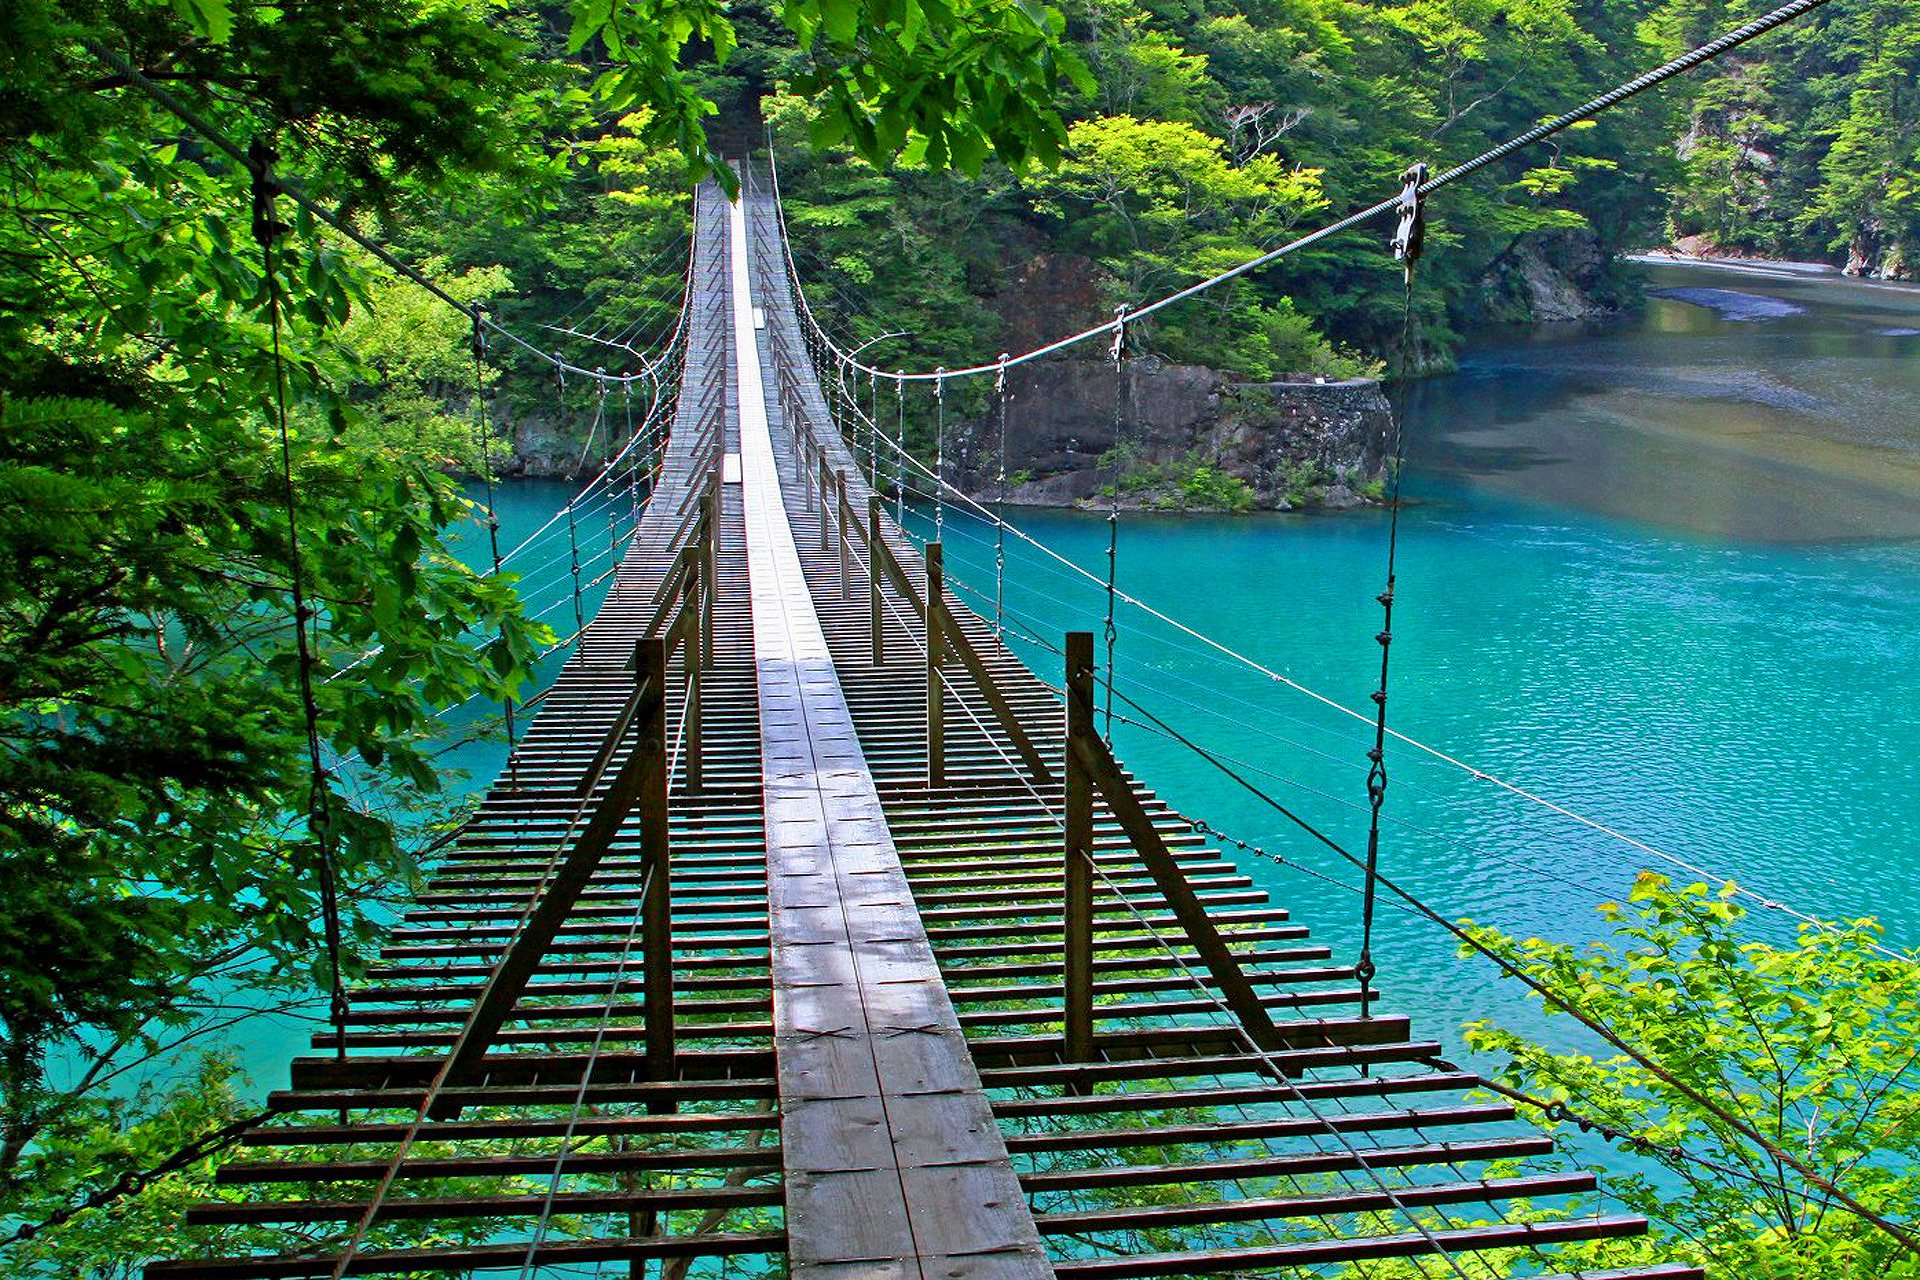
{"points": [[155, 789], [1813, 1045]]}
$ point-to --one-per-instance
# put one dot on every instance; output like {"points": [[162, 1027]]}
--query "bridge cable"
{"points": [[1002, 394], [900, 453], [873, 429], [1118, 355], [939, 454], [483, 430]]}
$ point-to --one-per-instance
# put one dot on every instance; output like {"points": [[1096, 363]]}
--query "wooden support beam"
{"points": [[256, 1212], [643, 774], [1186, 905], [1314, 1253], [462, 1259]]}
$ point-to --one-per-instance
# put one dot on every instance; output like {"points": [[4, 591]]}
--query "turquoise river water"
{"points": [[1664, 573]]}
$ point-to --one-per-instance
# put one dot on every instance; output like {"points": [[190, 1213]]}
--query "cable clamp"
{"points": [[1410, 235]]}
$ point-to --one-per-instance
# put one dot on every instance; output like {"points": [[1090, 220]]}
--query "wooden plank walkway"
{"points": [[748, 961], [894, 1165]]}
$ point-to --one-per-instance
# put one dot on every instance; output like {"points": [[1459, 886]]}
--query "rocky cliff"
{"points": [[1173, 436]]}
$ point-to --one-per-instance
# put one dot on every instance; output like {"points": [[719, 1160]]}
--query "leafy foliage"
{"points": [[1216, 130], [1809, 146], [1812, 1044]]}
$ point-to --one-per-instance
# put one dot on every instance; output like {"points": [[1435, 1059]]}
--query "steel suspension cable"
{"points": [[483, 428]]}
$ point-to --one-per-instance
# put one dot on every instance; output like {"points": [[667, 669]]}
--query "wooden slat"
{"points": [[1314, 1253]]}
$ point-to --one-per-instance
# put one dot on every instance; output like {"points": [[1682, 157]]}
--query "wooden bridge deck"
{"points": [[860, 1020]]}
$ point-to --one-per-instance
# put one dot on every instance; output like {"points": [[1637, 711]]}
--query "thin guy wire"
{"points": [[319, 793]]}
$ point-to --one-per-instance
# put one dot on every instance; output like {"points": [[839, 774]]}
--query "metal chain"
{"points": [[1407, 241], [1000, 509], [267, 230], [940, 456]]}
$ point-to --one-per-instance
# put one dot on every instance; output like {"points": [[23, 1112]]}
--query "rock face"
{"points": [[1174, 436], [543, 448], [1550, 276]]}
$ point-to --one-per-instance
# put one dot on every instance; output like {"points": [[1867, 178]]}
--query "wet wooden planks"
{"points": [[895, 1165]]}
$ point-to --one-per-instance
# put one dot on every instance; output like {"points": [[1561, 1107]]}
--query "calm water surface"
{"points": [[1665, 573]]}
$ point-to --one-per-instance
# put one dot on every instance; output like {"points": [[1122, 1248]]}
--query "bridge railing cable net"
{"points": [[930, 484], [925, 488], [913, 478]]}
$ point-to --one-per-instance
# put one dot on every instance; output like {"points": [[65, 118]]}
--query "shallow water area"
{"points": [[1754, 404]]}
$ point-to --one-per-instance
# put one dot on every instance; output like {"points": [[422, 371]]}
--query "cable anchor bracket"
{"points": [[1411, 234]]}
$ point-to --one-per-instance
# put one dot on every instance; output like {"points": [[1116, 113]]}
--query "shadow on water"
{"points": [[1747, 406]]}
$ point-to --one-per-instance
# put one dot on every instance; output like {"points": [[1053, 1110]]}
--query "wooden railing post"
{"points": [[826, 500], [846, 534], [1078, 922], [936, 657], [694, 611], [875, 549], [656, 913]]}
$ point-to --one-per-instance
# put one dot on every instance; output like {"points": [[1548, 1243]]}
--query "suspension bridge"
{"points": [[807, 929]]}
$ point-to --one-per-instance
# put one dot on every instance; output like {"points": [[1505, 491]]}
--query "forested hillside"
{"points": [[1219, 128], [1808, 147]]}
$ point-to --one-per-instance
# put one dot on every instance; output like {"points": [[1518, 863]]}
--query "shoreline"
{"points": [[1769, 268]]}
